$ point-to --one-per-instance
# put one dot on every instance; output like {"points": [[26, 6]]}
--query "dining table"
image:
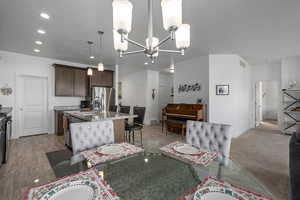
{"points": [[155, 175]]}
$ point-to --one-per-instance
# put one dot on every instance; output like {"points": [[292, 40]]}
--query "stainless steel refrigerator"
{"points": [[102, 98]]}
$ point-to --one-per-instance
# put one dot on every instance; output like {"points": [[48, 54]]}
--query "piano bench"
{"points": [[174, 123]]}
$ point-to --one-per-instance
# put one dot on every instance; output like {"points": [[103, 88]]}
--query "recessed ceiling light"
{"points": [[38, 42], [145, 63], [92, 57], [36, 50], [40, 31], [45, 15]]}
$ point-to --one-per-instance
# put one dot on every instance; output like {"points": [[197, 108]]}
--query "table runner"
{"points": [[235, 191], [102, 191], [203, 158], [95, 158]]}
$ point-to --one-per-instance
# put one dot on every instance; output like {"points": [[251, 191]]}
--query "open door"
{"points": [[258, 103]]}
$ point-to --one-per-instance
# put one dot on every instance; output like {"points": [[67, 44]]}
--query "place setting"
{"points": [[109, 152], [87, 185], [189, 153], [214, 189]]}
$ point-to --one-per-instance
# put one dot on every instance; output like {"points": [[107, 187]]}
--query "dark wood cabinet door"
{"points": [[108, 78], [80, 83], [64, 81], [102, 79], [59, 129]]}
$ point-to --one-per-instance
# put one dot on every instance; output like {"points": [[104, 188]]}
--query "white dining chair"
{"points": [[88, 135], [210, 136]]}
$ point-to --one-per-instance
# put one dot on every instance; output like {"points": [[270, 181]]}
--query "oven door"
{"points": [[2, 141]]}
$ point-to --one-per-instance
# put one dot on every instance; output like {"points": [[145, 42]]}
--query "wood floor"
{"points": [[262, 151], [27, 163]]}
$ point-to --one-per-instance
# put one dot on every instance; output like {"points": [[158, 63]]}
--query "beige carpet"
{"points": [[264, 152]]}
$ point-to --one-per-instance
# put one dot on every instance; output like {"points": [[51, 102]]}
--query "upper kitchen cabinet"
{"points": [[64, 81], [102, 79], [80, 82], [70, 81]]}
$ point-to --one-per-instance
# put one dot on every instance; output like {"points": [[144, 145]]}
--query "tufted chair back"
{"points": [[88, 135], [210, 136]]}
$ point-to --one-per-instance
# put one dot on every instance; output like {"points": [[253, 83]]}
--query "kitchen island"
{"points": [[92, 116]]}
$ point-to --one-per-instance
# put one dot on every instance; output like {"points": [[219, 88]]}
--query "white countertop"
{"points": [[99, 116]]}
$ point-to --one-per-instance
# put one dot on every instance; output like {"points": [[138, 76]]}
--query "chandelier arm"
{"points": [[135, 43], [163, 41], [133, 52], [170, 51]]}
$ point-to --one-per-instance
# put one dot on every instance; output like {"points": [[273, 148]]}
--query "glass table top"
{"points": [[154, 176]]}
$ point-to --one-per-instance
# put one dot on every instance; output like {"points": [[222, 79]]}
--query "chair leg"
{"points": [[166, 129], [128, 136], [133, 136], [220, 174], [141, 137]]}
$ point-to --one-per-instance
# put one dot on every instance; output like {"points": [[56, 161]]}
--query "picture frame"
{"points": [[222, 90]]}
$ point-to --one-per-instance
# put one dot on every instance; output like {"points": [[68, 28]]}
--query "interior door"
{"points": [[33, 105], [258, 103]]}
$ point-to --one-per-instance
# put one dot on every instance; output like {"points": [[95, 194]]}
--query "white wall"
{"points": [[13, 64], [134, 84], [152, 107], [234, 109], [190, 72], [165, 89], [290, 68]]}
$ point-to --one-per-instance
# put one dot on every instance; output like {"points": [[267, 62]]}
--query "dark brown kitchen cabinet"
{"points": [[70, 81], [64, 81], [102, 79], [80, 83], [59, 129]]}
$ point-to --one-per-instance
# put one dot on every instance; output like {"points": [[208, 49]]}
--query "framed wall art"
{"points": [[222, 89]]}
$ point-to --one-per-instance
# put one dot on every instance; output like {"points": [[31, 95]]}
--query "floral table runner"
{"points": [[100, 189], [212, 184], [95, 158], [203, 158]]}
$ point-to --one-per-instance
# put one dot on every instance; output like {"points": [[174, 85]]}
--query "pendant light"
{"points": [[90, 69], [122, 16], [172, 66], [120, 45], [100, 64], [172, 14], [182, 36]]}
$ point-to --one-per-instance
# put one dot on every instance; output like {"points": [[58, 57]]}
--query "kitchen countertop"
{"points": [[66, 108], [99, 116]]}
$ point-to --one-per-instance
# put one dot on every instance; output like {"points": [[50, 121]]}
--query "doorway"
{"points": [[32, 105], [267, 103]]}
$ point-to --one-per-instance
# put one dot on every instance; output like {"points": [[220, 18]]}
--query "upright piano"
{"points": [[174, 116]]}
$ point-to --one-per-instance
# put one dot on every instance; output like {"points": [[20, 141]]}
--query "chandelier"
{"points": [[172, 22]]}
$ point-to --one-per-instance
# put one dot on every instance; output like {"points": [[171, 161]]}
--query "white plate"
{"points": [[77, 190], [110, 149], [186, 149], [216, 193]]}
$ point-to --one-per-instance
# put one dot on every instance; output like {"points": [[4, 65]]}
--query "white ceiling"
{"points": [[258, 30]]}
